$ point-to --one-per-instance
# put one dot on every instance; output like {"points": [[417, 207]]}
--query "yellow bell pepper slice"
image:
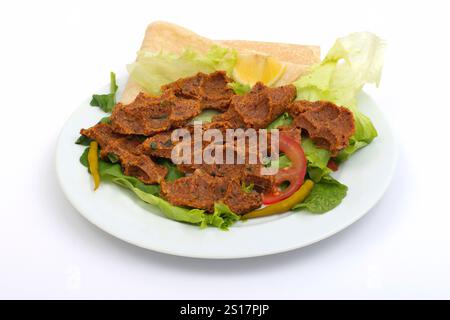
{"points": [[93, 163]]}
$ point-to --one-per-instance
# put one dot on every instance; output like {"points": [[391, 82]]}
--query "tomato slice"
{"points": [[332, 165], [294, 174]]}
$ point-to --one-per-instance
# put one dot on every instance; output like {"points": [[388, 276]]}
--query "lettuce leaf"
{"points": [[326, 195], [83, 140], [284, 120], [239, 88], [317, 160], [106, 102], [352, 61], [205, 116], [153, 70], [282, 162], [364, 134], [222, 217], [172, 170]]}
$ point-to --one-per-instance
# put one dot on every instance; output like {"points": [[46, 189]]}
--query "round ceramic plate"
{"points": [[120, 213]]}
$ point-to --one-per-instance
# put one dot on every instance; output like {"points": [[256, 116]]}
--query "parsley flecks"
{"points": [[247, 188]]}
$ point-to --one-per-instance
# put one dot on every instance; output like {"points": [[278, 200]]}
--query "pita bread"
{"points": [[169, 37]]}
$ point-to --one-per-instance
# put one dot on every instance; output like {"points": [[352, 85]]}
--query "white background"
{"points": [[54, 54]]}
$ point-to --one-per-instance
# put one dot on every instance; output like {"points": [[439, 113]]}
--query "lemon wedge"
{"points": [[251, 68]]}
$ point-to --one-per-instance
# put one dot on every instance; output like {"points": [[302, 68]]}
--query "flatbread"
{"points": [[169, 37], [293, 53]]}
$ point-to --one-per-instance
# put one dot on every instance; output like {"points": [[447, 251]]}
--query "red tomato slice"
{"points": [[295, 174], [332, 165]]}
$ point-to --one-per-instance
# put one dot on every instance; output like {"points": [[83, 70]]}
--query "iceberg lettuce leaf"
{"points": [[153, 70], [317, 160], [239, 88], [352, 62]]}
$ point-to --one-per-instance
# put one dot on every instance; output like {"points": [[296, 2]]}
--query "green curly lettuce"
{"points": [[222, 217], [325, 196]]}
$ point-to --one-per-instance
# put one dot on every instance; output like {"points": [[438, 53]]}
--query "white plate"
{"points": [[120, 213]]}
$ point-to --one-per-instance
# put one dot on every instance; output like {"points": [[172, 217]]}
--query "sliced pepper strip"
{"points": [[93, 163], [284, 205]]}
